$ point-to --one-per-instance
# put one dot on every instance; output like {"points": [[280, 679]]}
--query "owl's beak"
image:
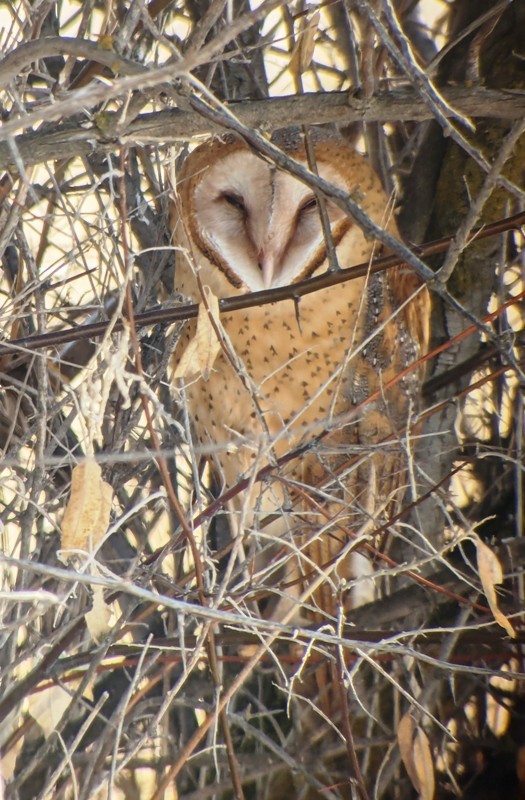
{"points": [[267, 263]]}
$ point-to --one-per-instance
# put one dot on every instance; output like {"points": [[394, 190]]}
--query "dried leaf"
{"points": [[86, 518], [416, 754], [405, 741], [304, 49], [424, 766], [98, 617], [200, 354], [491, 575], [48, 706]]}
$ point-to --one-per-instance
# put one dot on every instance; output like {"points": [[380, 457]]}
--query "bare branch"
{"points": [[175, 125]]}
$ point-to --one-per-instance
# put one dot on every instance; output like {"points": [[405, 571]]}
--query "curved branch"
{"points": [[27, 53]]}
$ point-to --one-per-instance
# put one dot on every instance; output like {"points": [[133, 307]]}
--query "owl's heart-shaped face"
{"points": [[259, 225]]}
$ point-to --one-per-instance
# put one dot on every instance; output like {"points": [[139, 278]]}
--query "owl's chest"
{"points": [[287, 368], [294, 341]]}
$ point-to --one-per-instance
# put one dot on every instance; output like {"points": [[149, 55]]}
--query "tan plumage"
{"points": [[286, 373]]}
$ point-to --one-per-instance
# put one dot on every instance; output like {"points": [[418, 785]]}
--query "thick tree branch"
{"points": [[69, 140]]}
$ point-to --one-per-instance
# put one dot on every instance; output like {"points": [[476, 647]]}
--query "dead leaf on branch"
{"points": [[85, 522], [405, 739], [416, 755], [304, 49], [99, 616], [199, 357], [424, 765], [86, 518], [48, 707], [491, 575]]}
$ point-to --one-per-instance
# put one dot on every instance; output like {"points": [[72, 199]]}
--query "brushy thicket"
{"points": [[134, 662]]}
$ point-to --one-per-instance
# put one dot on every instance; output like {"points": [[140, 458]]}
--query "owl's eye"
{"points": [[309, 204], [234, 200]]}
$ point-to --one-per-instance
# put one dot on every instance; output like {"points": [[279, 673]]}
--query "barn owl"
{"points": [[288, 371]]}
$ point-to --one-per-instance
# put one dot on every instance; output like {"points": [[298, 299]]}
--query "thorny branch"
{"points": [[307, 286]]}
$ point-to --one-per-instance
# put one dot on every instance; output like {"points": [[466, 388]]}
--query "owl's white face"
{"points": [[259, 225]]}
